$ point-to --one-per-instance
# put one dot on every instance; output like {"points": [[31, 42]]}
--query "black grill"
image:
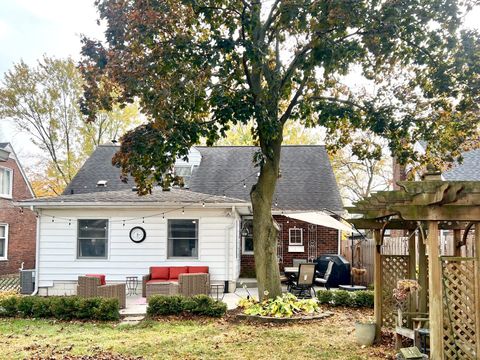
{"points": [[340, 271]]}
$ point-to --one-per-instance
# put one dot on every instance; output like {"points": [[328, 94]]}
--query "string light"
{"points": [[242, 181], [183, 211], [143, 220], [244, 185]]}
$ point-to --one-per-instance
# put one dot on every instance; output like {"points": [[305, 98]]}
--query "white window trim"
{"points": [[290, 236], [92, 258], [8, 196], [180, 258], [245, 252], [4, 258]]}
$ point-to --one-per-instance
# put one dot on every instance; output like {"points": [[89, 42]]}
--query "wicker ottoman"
{"points": [[161, 288]]}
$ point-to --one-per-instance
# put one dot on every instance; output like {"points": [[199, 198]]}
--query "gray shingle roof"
{"points": [[3, 145], [173, 196], [468, 170], [307, 181]]}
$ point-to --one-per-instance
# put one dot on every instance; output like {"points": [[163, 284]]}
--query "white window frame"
{"points": [[10, 195], [245, 252], [77, 243], [290, 236], [5, 257], [197, 221]]}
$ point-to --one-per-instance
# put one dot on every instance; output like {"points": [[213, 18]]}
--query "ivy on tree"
{"points": [[197, 67]]}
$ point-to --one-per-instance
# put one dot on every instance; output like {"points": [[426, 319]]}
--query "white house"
{"points": [[100, 225]]}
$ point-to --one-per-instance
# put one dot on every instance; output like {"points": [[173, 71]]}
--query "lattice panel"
{"points": [[280, 244], [459, 317], [394, 268], [312, 242]]}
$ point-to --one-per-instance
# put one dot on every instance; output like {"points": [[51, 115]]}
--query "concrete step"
{"points": [[132, 320]]}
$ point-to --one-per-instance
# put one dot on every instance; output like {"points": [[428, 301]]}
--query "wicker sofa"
{"points": [[171, 280], [95, 286]]}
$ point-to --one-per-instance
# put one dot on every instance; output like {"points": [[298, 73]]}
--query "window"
{"points": [[6, 182], [185, 172], [183, 238], [3, 241], [295, 236], [247, 236], [92, 238]]}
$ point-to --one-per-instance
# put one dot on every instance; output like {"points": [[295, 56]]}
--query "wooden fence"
{"points": [[363, 254]]}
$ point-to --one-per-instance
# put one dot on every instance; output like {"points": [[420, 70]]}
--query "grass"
{"points": [[331, 338]]}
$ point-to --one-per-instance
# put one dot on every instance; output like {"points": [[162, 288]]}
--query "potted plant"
{"points": [[365, 332]]}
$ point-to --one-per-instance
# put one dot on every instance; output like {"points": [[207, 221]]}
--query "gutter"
{"points": [[37, 255], [227, 250], [132, 204]]}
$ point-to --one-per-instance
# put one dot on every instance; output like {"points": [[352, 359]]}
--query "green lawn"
{"points": [[331, 338]]}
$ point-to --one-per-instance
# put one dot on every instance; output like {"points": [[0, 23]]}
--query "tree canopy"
{"points": [[43, 101], [200, 66]]}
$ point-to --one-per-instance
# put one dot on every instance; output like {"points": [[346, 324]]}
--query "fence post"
{"points": [[377, 269]]}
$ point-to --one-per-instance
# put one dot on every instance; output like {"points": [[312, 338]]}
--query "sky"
{"points": [[30, 29]]}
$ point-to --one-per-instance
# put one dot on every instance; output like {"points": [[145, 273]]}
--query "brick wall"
{"points": [[327, 243], [21, 227]]}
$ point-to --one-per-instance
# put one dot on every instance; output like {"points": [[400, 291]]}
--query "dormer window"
{"points": [[185, 172], [102, 183], [6, 182]]}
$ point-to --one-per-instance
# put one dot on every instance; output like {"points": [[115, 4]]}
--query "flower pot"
{"points": [[365, 333]]}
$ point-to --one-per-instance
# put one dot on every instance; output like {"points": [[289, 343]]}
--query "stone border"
{"points": [[271, 319]]}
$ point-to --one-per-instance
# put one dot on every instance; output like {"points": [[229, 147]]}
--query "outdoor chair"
{"points": [[324, 280], [297, 262], [89, 286], [193, 284], [303, 285]]}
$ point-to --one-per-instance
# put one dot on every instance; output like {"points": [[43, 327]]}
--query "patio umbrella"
{"points": [[320, 218]]}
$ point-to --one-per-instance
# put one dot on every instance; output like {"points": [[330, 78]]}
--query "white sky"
{"points": [[31, 28]]}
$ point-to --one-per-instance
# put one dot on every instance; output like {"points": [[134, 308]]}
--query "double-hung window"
{"points": [[92, 239], [182, 238], [295, 236], [6, 180], [247, 236], [3, 241]]}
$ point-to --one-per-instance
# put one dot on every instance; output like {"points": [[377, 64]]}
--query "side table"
{"points": [[132, 284], [217, 290]]}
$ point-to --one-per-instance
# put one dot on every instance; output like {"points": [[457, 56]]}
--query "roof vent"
{"points": [[102, 183]]}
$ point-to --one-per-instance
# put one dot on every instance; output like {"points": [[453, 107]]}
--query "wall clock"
{"points": [[137, 234]]}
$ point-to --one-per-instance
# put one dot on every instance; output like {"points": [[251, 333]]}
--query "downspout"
{"points": [[37, 253], [227, 251]]}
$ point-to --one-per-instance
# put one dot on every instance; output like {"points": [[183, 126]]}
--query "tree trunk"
{"points": [[265, 229]]}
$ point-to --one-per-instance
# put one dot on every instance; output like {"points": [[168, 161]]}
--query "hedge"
{"points": [[159, 305], [60, 307], [362, 298]]}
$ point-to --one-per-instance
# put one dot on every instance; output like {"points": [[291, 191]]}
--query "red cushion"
{"points": [[177, 270], [100, 276], [159, 272], [198, 269]]}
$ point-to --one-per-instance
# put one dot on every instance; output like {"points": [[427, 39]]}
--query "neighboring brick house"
{"points": [[17, 227]]}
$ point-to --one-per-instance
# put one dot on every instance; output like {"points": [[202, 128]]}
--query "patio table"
{"points": [[290, 269]]}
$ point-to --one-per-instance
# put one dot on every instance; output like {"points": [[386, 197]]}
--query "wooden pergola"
{"points": [[450, 282]]}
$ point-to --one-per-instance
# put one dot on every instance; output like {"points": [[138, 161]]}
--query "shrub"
{"points": [[363, 298], [341, 298], [174, 305], [324, 296], [165, 305], [283, 306], [59, 307], [8, 306]]}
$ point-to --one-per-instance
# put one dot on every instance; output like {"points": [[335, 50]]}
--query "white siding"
{"points": [[58, 263]]}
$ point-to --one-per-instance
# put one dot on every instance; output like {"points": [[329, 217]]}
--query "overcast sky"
{"points": [[32, 28]]}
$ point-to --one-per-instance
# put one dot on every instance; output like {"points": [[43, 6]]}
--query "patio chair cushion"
{"points": [[160, 272], [99, 276], [175, 271], [198, 269], [159, 281]]}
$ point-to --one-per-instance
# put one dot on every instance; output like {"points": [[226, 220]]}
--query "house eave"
{"points": [[123, 205]]}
